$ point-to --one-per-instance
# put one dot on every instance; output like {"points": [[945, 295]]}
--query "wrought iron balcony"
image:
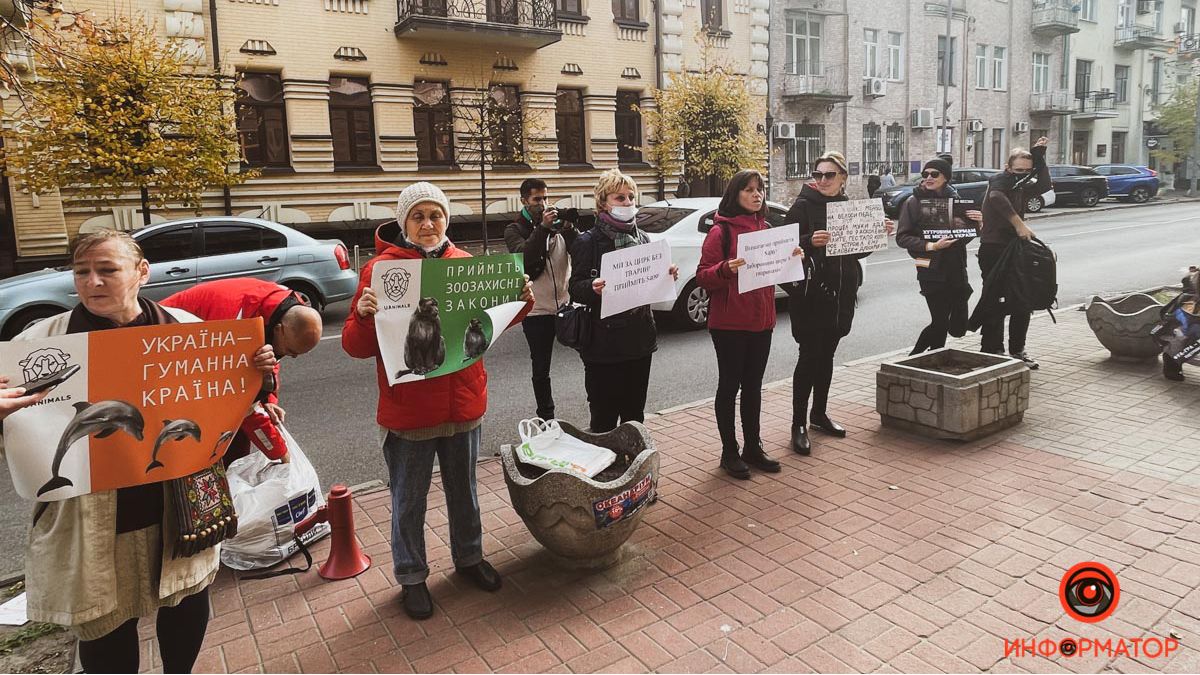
{"points": [[512, 23], [1055, 17], [1189, 46], [1139, 37], [1095, 105], [1051, 103], [809, 81]]}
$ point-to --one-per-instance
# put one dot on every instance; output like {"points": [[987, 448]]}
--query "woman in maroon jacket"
{"points": [[740, 323]]}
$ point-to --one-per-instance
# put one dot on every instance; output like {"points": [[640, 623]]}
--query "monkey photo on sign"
{"points": [[475, 342], [424, 348]]}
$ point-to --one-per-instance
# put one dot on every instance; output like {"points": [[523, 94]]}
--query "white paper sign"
{"points": [[636, 276], [855, 226], [768, 256], [12, 613]]}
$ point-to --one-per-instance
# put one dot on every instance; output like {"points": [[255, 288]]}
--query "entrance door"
{"points": [[1079, 147]]}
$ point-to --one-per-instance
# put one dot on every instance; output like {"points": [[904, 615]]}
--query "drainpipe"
{"points": [[769, 120], [1065, 142], [658, 77], [226, 197]]}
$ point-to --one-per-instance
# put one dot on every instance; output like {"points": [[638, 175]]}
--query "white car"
{"points": [[684, 223], [1039, 202]]}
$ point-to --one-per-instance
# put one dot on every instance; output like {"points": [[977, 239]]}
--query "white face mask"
{"points": [[431, 249], [625, 214]]}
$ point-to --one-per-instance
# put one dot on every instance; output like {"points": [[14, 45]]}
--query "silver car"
{"points": [[183, 253]]}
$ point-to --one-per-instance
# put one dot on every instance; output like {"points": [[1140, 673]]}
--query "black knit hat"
{"points": [[938, 164]]}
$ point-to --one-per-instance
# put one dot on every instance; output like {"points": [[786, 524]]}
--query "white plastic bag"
{"points": [[270, 498], [544, 444]]}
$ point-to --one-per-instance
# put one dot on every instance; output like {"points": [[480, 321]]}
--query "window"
{"points": [[803, 44], [895, 154], [626, 10], [981, 66], [870, 145], [808, 145], [1121, 83], [656, 219], [1087, 10], [174, 244], [998, 156], [1188, 18], [980, 147], [507, 133], [432, 122], [568, 7], [1041, 72], [1118, 146], [870, 52], [1038, 133], [1158, 16], [568, 119], [942, 61], [714, 16], [261, 120], [629, 127], [999, 68], [1156, 81], [895, 57], [1083, 78], [351, 122], [502, 11], [1124, 13], [227, 239]]}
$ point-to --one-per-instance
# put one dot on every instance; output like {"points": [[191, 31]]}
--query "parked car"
{"points": [[684, 223], [1078, 184], [183, 253], [1039, 202], [1130, 183], [971, 183]]}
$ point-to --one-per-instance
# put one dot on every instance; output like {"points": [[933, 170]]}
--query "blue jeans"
{"points": [[410, 465]]}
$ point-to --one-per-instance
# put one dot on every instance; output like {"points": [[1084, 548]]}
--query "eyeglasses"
{"points": [[931, 174], [826, 175], [1019, 171]]}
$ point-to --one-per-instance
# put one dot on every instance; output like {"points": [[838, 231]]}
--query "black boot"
{"points": [[733, 465], [1021, 355], [821, 421], [800, 443], [1172, 369], [756, 457], [482, 575], [416, 600]]}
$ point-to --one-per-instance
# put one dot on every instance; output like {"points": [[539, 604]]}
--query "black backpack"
{"points": [[1034, 283]]}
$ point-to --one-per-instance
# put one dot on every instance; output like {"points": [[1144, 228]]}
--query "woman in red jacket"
{"points": [[439, 417], [740, 323]]}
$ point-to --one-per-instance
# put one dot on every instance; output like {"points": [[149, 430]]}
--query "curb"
{"points": [[1075, 210]]}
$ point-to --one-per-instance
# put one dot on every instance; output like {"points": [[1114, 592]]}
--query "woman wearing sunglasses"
{"points": [[821, 306], [941, 264]]}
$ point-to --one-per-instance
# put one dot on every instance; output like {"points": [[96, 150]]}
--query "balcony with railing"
{"points": [[1189, 46], [1056, 102], [1095, 105], [1139, 37], [1055, 17], [810, 81], [507, 23]]}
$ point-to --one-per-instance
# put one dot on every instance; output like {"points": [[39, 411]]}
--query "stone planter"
{"points": [[952, 393], [582, 521], [1123, 325]]}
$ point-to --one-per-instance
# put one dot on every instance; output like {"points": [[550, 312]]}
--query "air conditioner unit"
{"points": [[922, 118], [975, 125], [874, 87], [1180, 27], [1021, 127], [784, 130], [1145, 6]]}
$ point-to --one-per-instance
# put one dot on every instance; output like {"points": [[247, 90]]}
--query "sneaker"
{"points": [[1033, 365], [417, 603]]}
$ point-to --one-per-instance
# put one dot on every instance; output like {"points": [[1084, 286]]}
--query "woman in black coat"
{"points": [[821, 306], [941, 264]]}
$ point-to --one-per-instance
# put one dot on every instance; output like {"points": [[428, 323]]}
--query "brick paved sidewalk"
{"points": [[822, 567]]}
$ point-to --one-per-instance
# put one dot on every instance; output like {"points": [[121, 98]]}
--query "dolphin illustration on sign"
{"points": [[93, 419], [222, 443], [173, 430]]}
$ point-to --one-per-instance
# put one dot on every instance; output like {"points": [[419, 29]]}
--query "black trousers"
{"points": [[993, 328], [180, 634], [539, 333], [947, 316], [616, 392], [741, 362], [814, 370]]}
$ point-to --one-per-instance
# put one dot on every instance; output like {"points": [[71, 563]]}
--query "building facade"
{"points": [[343, 103], [871, 80]]}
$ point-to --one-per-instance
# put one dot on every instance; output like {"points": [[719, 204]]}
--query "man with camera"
{"points": [[544, 235]]}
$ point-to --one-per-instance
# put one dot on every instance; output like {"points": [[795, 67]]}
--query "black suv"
{"points": [[1079, 185], [971, 183]]}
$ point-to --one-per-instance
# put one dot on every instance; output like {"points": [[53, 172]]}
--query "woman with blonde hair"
{"points": [[616, 361]]}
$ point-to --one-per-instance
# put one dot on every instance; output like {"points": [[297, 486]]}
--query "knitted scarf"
{"points": [[623, 235]]}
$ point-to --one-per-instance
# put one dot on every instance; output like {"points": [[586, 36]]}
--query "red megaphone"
{"points": [[346, 559]]}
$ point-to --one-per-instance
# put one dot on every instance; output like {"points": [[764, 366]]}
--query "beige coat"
{"points": [[69, 561]]}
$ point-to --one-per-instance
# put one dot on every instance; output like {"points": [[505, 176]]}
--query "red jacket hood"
{"points": [[387, 248]]}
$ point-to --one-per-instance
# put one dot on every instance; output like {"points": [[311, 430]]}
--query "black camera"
{"points": [[569, 215]]}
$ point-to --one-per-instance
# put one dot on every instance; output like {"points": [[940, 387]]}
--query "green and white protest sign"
{"points": [[438, 316]]}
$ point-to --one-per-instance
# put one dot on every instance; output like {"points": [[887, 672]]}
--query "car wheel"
{"points": [[1139, 195], [691, 309], [25, 319], [1089, 197], [1035, 204], [308, 293]]}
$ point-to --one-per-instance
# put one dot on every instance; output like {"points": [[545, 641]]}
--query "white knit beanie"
{"points": [[415, 194]]}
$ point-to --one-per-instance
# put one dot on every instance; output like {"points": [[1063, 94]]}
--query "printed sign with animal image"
{"points": [[438, 316], [768, 256], [140, 405], [635, 277], [856, 226], [937, 220]]}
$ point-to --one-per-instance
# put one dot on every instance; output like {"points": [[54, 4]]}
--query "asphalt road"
{"points": [[330, 398]]}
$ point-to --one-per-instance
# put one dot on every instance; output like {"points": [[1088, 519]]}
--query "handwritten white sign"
{"points": [[636, 276], [855, 227], [769, 259]]}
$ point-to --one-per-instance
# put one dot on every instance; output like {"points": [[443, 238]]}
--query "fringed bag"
{"points": [[204, 514]]}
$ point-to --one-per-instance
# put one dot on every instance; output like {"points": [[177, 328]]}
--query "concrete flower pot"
{"points": [[952, 394], [583, 521], [1123, 325]]}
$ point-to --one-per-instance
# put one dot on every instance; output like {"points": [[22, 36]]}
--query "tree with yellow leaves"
{"points": [[116, 108]]}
